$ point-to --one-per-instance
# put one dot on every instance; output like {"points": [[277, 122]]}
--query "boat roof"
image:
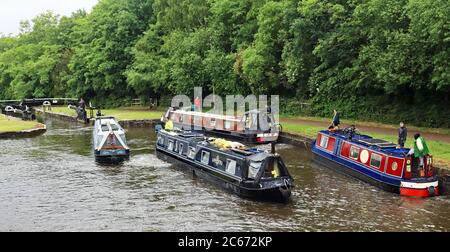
{"points": [[105, 117], [202, 114], [377, 144], [199, 138]]}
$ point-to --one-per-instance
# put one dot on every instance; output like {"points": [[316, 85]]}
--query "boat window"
{"points": [[170, 145], [175, 147], [181, 148], [217, 162], [354, 152], [227, 124], [272, 169], [160, 140], [324, 141], [253, 169], [105, 127], [191, 154], [231, 166], [114, 127], [205, 157], [375, 160]]}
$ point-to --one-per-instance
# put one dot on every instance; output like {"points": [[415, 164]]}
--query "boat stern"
{"points": [[419, 188]]}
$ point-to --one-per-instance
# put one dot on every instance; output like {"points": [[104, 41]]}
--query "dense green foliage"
{"points": [[379, 60]]}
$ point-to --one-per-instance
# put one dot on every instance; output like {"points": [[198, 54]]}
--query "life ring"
{"points": [[9, 109], [46, 103]]}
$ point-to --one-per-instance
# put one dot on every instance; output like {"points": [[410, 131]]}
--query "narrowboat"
{"points": [[110, 144], [254, 127], [376, 161], [248, 172]]}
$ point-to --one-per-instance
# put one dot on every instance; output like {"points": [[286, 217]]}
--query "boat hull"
{"points": [[112, 158], [350, 172], [273, 194], [403, 189]]}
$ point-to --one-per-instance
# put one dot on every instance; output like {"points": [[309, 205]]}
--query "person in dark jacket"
{"points": [[82, 115], [82, 104], [402, 134], [335, 123]]}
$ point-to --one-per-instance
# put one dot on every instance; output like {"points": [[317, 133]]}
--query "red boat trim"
{"points": [[413, 192]]}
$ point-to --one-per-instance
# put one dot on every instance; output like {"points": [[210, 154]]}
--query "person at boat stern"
{"points": [[420, 149], [402, 134], [169, 125]]}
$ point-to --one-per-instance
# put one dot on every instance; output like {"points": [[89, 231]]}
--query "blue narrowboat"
{"points": [[247, 172], [375, 161]]}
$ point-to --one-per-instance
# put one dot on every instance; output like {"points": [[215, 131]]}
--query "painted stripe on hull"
{"points": [[414, 185]]}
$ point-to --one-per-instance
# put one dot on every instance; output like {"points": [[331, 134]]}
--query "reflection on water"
{"points": [[51, 183]]}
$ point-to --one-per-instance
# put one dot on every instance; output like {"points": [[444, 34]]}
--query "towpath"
{"points": [[385, 129]]}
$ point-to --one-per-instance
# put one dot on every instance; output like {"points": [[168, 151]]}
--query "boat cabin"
{"points": [[256, 126]]}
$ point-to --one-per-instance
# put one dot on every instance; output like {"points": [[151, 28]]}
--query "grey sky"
{"points": [[13, 11]]}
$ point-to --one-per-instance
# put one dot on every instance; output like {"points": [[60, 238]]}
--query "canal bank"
{"points": [[126, 123], [11, 127]]}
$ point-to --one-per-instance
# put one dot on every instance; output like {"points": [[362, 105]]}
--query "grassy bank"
{"points": [[10, 124], [132, 113], [440, 150], [370, 124]]}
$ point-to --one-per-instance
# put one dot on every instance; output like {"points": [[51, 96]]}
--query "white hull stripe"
{"points": [[414, 185], [267, 135]]}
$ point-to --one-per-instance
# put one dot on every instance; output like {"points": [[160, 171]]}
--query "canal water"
{"points": [[51, 183]]}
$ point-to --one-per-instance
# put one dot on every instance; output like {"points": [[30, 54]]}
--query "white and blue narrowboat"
{"points": [[375, 161], [109, 139], [247, 172]]}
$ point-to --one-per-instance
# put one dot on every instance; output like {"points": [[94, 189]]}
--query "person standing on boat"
{"points": [[420, 149], [335, 123], [169, 125], [402, 134]]}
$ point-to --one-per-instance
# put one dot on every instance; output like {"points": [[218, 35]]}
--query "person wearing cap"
{"points": [[402, 134]]}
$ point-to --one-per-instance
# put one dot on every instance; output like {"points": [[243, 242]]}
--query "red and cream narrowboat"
{"points": [[376, 161], [256, 126]]}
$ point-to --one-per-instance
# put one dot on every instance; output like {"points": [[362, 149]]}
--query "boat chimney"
{"points": [[272, 148]]}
